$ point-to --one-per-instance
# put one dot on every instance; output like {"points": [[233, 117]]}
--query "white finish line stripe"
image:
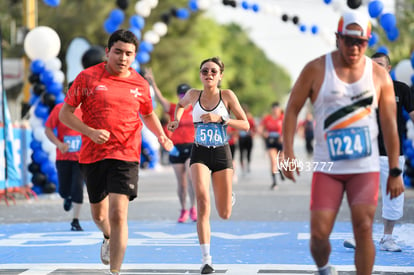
{"points": [[228, 269]]}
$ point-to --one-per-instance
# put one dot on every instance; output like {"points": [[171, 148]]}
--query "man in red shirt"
{"points": [[113, 98], [68, 143]]}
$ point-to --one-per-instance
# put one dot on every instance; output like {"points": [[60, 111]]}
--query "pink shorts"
{"points": [[328, 189]]}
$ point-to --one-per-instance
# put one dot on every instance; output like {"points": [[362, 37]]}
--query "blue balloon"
{"points": [[183, 13], [382, 49], [375, 8], [37, 66], [373, 40], [33, 99], [327, 1], [41, 111], [136, 31], [35, 145], [116, 16], [388, 21], [47, 168], [146, 47], [245, 5], [314, 29], [135, 66], [37, 189], [302, 28], [407, 143], [143, 57], [46, 77], [59, 98], [52, 3], [392, 74], [393, 34], [109, 26], [412, 60], [255, 7], [55, 88], [192, 4], [40, 157], [137, 21]]}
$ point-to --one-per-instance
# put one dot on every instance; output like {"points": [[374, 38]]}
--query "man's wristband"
{"points": [[395, 172]]}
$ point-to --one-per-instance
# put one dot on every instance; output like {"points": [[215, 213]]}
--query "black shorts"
{"points": [[185, 151], [215, 158], [111, 176], [273, 143], [70, 180]]}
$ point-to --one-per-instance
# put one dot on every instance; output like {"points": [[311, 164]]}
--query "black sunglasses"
{"points": [[352, 41], [205, 71]]}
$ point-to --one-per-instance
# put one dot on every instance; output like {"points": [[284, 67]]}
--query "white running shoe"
{"points": [[389, 244], [350, 243], [233, 198], [105, 252]]}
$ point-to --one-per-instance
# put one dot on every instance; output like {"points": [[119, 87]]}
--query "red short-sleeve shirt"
{"points": [[65, 134], [185, 132], [114, 104]]}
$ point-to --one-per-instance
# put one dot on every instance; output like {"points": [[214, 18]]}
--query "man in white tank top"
{"points": [[346, 88]]}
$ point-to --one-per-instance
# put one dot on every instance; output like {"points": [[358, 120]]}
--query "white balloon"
{"points": [[52, 156], [152, 3], [152, 37], [53, 64], [42, 43], [35, 122], [142, 8], [404, 71], [58, 76], [160, 28], [48, 146], [203, 4], [39, 134]]}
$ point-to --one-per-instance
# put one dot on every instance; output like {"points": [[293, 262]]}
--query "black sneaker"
{"points": [[207, 269], [273, 186], [67, 204], [75, 225], [281, 175]]}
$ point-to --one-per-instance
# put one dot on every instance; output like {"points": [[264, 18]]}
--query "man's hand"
{"points": [[99, 136], [63, 147], [395, 186], [172, 125], [166, 143], [289, 167]]}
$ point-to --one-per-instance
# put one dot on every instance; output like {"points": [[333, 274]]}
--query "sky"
{"points": [[283, 42]]}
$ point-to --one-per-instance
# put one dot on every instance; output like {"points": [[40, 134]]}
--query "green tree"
{"points": [[176, 58]]}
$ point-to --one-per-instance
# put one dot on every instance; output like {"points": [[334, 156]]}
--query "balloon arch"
{"points": [[42, 45]]}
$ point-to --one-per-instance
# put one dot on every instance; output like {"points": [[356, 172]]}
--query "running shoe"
{"points": [[67, 204], [281, 175], [233, 198], [193, 214], [105, 251], [207, 267], [273, 186], [389, 244], [184, 216], [350, 243], [75, 225]]}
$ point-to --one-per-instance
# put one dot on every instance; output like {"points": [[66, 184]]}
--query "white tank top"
{"points": [[346, 126], [210, 134], [198, 110]]}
